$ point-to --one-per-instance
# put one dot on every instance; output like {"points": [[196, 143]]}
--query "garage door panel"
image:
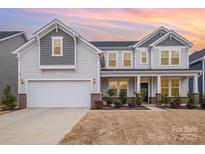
{"points": [[58, 94]]}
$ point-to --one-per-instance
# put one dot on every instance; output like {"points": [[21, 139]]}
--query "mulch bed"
{"points": [[124, 108], [7, 111], [181, 107]]}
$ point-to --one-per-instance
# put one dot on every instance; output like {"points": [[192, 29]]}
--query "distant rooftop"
{"points": [[197, 55], [5, 34], [102, 44]]}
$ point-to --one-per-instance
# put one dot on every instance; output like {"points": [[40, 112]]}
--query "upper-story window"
{"points": [[169, 57], [112, 59], [57, 46], [127, 59], [143, 57], [175, 57]]}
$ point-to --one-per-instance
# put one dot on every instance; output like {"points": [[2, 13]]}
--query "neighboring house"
{"points": [[59, 68], [196, 61], [9, 41]]}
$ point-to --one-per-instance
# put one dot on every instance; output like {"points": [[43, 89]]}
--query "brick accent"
{"points": [[152, 100], [195, 98], [158, 98], [94, 97], [22, 103]]}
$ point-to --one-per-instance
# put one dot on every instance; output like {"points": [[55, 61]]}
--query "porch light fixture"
{"points": [[22, 82], [94, 81]]}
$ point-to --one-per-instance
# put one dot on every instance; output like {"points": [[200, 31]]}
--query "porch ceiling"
{"points": [[149, 72]]}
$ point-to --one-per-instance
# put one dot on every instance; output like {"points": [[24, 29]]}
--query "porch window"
{"points": [[164, 57], [123, 85], [57, 46], [164, 86], [175, 57], [174, 87], [143, 57], [113, 85], [112, 59], [127, 59]]}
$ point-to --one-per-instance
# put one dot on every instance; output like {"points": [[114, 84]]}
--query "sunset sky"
{"points": [[111, 24]]}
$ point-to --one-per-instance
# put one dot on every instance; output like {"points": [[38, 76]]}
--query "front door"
{"points": [[144, 89]]}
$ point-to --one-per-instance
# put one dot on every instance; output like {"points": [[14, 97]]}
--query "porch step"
{"points": [[152, 107]]}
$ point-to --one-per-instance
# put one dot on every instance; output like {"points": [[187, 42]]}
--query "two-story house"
{"points": [[9, 41], [59, 68]]}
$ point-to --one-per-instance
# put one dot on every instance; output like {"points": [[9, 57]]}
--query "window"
{"points": [[175, 87], [113, 85], [127, 59], [170, 87], [143, 59], [118, 85], [112, 59], [123, 85], [175, 57], [57, 46], [164, 57], [164, 86]]}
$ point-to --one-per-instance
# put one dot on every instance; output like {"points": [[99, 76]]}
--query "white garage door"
{"points": [[58, 94]]}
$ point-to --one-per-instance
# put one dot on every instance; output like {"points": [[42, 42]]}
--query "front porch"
{"points": [[170, 83]]}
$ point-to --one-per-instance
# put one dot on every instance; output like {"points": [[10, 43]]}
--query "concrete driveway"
{"points": [[38, 126]]}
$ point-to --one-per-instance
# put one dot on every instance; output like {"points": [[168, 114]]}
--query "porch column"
{"points": [[195, 84], [159, 84], [138, 84], [158, 94], [195, 90]]}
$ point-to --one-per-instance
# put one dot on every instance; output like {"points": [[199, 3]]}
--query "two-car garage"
{"points": [[58, 93]]}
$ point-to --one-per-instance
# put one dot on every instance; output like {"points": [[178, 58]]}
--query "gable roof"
{"points": [[150, 35], [102, 44], [176, 36], [4, 35], [197, 56], [55, 24]]}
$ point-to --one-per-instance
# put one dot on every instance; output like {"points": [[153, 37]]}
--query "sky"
{"points": [[111, 24]]}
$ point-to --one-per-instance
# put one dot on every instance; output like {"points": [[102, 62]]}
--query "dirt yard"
{"points": [[139, 127]]}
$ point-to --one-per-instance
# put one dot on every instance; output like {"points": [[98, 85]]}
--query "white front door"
{"points": [[58, 94]]}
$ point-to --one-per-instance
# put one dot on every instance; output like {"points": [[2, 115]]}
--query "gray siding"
{"points": [[184, 59], [153, 39], [170, 42], [137, 60], [9, 63], [46, 49], [86, 66], [197, 66]]}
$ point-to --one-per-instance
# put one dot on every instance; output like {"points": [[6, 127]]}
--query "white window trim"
{"points": [[123, 59], [141, 51], [169, 56], [118, 85], [57, 37], [109, 52], [170, 86]]}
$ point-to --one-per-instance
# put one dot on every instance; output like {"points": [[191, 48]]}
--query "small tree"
{"points": [[110, 94], [190, 104], [8, 101], [123, 96]]}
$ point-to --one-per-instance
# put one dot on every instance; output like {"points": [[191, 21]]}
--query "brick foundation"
{"points": [[22, 103], [94, 97], [158, 98]]}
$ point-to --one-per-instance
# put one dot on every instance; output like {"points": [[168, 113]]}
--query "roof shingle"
{"points": [[113, 43], [197, 55], [4, 34]]}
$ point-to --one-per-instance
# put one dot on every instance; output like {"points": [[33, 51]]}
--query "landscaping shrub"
{"points": [[100, 104], [117, 104], [139, 99], [164, 100], [123, 96], [132, 104], [190, 104], [176, 103], [8, 101]]}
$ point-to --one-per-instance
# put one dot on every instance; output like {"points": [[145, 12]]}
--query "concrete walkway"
{"points": [[152, 107], [38, 126]]}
